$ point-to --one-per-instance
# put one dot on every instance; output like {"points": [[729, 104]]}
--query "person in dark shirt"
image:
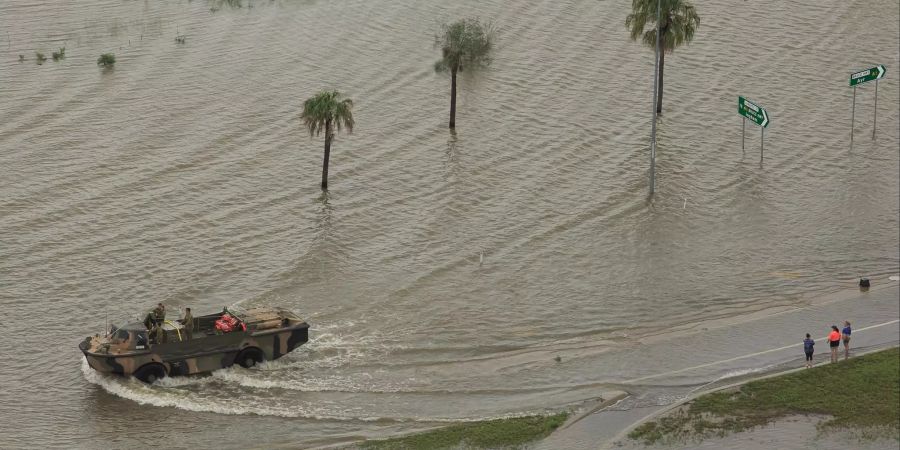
{"points": [[808, 348], [845, 336]]}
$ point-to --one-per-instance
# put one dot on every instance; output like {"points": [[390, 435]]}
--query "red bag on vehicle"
{"points": [[226, 323]]}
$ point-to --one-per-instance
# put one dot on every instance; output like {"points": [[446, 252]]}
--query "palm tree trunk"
{"points": [[328, 137], [453, 96], [662, 62]]}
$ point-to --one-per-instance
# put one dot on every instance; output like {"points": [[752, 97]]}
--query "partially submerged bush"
{"points": [[61, 54], [106, 60], [218, 4], [40, 57]]}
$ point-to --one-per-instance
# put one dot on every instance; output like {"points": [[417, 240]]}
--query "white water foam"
{"points": [[741, 372], [340, 350], [161, 395], [331, 348], [357, 383]]}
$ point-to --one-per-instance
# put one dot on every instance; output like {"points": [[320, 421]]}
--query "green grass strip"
{"points": [[863, 392], [499, 433]]}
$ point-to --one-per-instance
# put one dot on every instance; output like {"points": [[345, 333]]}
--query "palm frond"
{"points": [[467, 42], [343, 115], [324, 107], [679, 21], [636, 22], [649, 38]]}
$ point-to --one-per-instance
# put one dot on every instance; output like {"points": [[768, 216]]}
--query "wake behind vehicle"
{"points": [[244, 337]]}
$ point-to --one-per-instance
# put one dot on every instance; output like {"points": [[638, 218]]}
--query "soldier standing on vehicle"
{"points": [[188, 322], [159, 313], [157, 334], [150, 320]]}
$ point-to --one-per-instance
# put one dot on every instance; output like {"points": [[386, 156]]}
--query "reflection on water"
{"points": [[184, 175]]}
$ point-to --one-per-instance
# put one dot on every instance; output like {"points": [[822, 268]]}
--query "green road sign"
{"points": [[863, 76], [752, 111]]}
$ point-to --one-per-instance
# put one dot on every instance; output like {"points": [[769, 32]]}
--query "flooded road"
{"points": [[184, 175]]}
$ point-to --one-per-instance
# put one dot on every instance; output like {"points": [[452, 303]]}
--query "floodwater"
{"points": [[443, 272]]}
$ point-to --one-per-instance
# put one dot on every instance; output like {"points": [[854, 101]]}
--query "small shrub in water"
{"points": [[180, 39], [40, 57], [21, 58], [106, 60], [61, 54]]}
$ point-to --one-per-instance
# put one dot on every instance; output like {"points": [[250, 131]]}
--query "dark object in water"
{"points": [[864, 283]]}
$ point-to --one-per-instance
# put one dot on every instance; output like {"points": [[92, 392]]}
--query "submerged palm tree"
{"points": [[466, 43], [327, 111], [677, 23]]}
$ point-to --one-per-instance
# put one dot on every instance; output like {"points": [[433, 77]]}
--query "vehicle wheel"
{"points": [[250, 357], [149, 373]]}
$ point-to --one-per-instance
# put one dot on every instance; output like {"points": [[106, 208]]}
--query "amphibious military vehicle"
{"points": [[244, 337]]}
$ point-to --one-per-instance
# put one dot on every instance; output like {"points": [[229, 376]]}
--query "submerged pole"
{"points": [[743, 128], [852, 117], [875, 120], [762, 142], [655, 87]]}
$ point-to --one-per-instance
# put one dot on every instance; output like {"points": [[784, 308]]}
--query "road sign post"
{"points": [[852, 118], [864, 76], [875, 119], [758, 115]]}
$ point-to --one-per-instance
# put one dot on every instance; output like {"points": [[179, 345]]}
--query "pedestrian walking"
{"points": [[845, 336], [808, 348], [834, 340]]}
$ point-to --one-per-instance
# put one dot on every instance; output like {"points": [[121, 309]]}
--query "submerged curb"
{"points": [[608, 398]]}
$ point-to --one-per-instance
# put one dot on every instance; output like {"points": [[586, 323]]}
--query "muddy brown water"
{"points": [[183, 175]]}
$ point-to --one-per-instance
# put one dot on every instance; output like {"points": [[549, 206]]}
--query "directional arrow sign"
{"points": [[752, 111], [863, 76]]}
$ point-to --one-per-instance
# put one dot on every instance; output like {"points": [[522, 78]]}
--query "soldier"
{"points": [[160, 334], [156, 335], [150, 320], [159, 313], [188, 322]]}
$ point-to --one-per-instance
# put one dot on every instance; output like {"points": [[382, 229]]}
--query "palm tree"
{"points": [[327, 111], [466, 43], [678, 21]]}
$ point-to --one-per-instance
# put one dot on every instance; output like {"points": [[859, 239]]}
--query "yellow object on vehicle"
{"points": [[175, 327]]}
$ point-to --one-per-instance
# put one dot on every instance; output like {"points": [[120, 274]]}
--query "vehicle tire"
{"points": [[250, 357], [149, 373]]}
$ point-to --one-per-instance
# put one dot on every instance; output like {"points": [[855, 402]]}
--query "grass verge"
{"points": [[500, 433], [862, 393]]}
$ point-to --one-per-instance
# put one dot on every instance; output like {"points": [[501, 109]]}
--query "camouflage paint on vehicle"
{"points": [[271, 332]]}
